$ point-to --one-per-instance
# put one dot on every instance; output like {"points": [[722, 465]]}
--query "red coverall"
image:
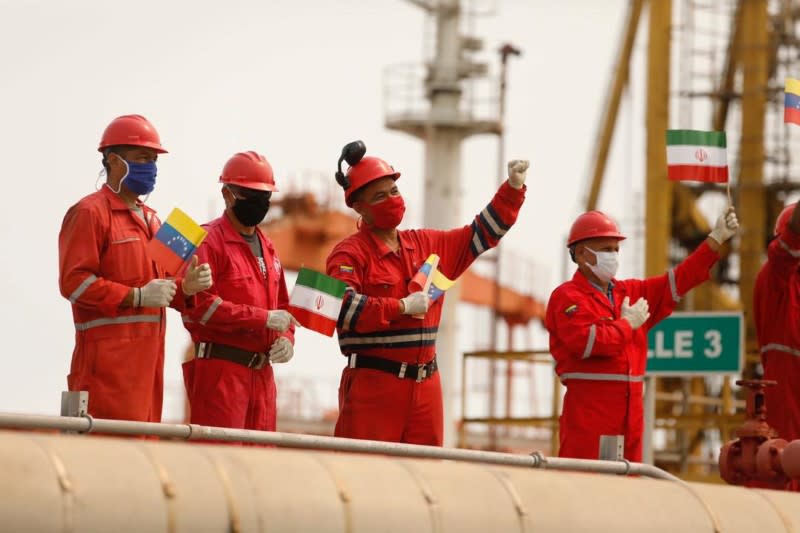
{"points": [[374, 404], [234, 312], [776, 311], [119, 351], [602, 361]]}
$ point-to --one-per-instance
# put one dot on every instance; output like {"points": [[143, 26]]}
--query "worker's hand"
{"points": [[636, 314], [157, 293], [415, 303], [281, 351], [726, 227], [280, 320], [198, 278], [517, 170]]}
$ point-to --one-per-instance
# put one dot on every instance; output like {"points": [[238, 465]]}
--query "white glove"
{"points": [[280, 320], [197, 279], [281, 350], [636, 314], [416, 303], [726, 226], [517, 168], [157, 293]]}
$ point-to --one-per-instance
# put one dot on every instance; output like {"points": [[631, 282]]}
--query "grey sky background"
{"points": [[293, 80]]}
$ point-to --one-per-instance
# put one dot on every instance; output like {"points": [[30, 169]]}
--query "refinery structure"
{"points": [[710, 462]]}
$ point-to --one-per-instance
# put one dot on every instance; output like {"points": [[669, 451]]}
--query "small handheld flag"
{"points": [[421, 280], [175, 241], [439, 284], [429, 279], [791, 101], [697, 156], [316, 301]]}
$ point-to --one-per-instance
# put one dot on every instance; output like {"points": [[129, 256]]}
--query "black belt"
{"points": [[418, 372], [209, 350]]}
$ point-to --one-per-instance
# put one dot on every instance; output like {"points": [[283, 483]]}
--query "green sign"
{"points": [[695, 343]]}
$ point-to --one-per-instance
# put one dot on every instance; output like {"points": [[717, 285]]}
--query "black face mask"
{"points": [[251, 211]]}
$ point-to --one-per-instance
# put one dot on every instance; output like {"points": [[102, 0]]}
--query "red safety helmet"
{"points": [[366, 171], [250, 170], [131, 130], [593, 225], [783, 219]]}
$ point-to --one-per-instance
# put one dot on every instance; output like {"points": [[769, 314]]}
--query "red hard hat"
{"points": [[131, 130], [365, 171], [593, 225], [250, 170], [783, 219]]}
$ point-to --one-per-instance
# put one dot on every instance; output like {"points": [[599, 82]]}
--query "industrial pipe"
{"points": [[72, 483], [88, 424], [757, 454]]}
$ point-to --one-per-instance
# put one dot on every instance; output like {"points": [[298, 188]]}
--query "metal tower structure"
{"points": [[440, 103], [717, 65]]}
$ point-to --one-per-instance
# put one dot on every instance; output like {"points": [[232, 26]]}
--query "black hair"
{"points": [[119, 149]]}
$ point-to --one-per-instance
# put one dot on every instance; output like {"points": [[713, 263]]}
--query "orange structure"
{"points": [[305, 233]]}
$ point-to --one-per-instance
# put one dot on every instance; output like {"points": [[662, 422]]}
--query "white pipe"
{"points": [[292, 440], [649, 419]]}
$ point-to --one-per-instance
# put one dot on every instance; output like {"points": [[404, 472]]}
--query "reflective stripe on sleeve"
{"points": [[673, 285], [358, 300], [210, 311], [91, 278], [492, 222], [590, 342]]}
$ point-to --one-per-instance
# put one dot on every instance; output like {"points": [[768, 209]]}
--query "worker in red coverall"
{"points": [[776, 311], [390, 389], [240, 326], [118, 293], [598, 332]]}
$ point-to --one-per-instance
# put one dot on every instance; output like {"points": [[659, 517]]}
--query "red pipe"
{"points": [[757, 457]]}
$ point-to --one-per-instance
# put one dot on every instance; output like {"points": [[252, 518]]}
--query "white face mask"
{"points": [[607, 265]]}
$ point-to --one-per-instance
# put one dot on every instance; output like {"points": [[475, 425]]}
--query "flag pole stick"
{"points": [[728, 186]]}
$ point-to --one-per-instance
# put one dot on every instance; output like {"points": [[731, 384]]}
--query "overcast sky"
{"points": [[293, 80]]}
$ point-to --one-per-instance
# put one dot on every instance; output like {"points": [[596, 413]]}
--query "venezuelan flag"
{"points": [[176, 241], [791, 101], [429, 278], [439, 284], [420, 279]]}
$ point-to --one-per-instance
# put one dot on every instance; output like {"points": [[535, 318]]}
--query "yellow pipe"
{"points": [[729, 73], [753, 52], [658, 187]]}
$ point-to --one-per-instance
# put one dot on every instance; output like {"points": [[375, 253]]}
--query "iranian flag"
{"points": [[697, 156], [316, 300]]}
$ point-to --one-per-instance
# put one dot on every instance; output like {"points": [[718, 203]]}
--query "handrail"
{"points": [[88, 424]]}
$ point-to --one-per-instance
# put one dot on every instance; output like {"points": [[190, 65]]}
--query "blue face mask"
{"points": [[140, 177]]}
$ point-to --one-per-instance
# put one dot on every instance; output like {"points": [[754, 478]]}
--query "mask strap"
{"points": [[99, 176], [127, 171]]}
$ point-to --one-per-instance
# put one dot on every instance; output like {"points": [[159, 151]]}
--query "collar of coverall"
{"points": [[118, 204], [382, 246], [581, 280]]}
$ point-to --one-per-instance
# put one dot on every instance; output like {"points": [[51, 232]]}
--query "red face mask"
{"points": [[387, 214]]}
